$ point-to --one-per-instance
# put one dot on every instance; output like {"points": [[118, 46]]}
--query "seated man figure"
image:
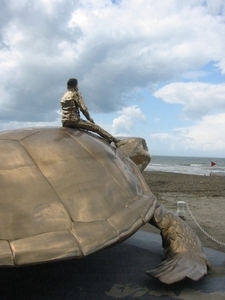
{"points": [[72, 103]]}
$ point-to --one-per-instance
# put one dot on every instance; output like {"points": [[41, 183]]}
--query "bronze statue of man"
{"points": [[72, 103]]}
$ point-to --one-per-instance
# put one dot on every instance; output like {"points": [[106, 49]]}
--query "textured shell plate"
{"points": [[66, 193]]}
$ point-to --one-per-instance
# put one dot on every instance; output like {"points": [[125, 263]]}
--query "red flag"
{"points": [[213, 163]]}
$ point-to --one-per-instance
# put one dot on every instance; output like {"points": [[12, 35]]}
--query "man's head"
{"points": [[72, 83]]}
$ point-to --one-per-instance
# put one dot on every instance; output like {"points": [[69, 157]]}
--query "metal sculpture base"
{"points": [[118, 272]]}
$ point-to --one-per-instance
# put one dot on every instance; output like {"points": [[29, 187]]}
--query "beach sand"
{"points": [[205, 196]]}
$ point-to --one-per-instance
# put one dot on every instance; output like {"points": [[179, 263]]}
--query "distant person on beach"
{"points": [[72, 103]]}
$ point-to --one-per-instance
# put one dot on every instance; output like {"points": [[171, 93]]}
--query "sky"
{"points": [[154, 69]]}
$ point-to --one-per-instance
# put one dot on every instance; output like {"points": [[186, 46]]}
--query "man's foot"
{"points": [[119, 143]]}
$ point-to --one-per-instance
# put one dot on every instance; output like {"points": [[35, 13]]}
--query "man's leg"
{"points": [[94, 128], [97, 129]]}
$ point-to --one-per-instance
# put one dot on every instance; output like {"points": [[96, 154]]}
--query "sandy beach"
{"points": [[205, 196]]}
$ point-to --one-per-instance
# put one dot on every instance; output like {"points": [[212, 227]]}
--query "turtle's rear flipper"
{"points": [[183, 251], [180, 266]]}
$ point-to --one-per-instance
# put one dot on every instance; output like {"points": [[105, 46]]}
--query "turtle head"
{"points": [[137, 149]]}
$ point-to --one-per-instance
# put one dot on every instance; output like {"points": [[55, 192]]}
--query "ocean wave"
{"points": [[187, 165]]}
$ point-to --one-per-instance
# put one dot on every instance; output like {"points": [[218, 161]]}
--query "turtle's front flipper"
{"points": [[183, 251]]}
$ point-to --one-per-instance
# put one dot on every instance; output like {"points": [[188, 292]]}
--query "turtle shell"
{"points": [[66, 193]]}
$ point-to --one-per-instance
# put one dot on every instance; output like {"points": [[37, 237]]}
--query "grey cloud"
{"points": [[37, 79], [111, 58]]}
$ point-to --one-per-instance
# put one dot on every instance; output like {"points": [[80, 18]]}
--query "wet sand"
{"points": [[205, 196]]}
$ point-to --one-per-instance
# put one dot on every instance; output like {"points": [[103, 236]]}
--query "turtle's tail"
{"points": [[183, 251]]}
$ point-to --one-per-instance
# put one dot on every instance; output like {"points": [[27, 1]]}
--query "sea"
{"points": [[207, 166]]}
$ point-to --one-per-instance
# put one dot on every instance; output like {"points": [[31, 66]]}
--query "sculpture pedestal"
{"points": [[115, 273]]}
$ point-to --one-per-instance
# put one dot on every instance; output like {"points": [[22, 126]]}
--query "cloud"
{"points": [[117, 50], [31, 59], [197, 98], [205, 137], [43, 43], [162, 136], [128, 117]]}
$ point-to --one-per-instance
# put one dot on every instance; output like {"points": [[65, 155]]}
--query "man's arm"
{"points": [[83, 108], [87, 115]]}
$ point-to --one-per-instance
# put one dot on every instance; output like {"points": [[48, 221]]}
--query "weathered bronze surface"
{"points": [[66, 193]]}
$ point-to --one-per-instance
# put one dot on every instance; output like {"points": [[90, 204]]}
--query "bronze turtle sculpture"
{"points": [[66, 193]]}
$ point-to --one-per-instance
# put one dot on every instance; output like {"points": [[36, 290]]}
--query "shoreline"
{"points": [[204, 195]]}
